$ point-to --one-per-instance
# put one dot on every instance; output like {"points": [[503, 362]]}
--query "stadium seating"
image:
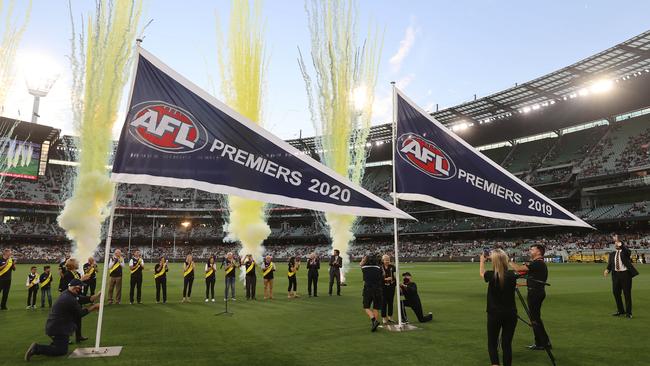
{"points": [[624, 147]]}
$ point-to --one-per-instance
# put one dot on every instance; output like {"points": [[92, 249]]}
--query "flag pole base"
{"points": [[92, 352], [400, 327]]}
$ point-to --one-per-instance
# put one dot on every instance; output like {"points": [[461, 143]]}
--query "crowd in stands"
{"points": [[558, 244]]}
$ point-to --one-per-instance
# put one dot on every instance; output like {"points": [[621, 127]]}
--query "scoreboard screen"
{"points": [[21, 159]]}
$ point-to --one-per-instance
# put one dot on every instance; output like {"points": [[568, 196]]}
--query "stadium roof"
{"points": [[619, 63], [624, 59], [28, 131]]}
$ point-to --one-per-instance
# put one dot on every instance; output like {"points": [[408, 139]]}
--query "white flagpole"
{"points": [[395, 242], [107, 253]]}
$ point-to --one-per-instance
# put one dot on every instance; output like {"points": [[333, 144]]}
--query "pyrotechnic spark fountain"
{"points": [[241, 62], [341, 101], [107, 54]]}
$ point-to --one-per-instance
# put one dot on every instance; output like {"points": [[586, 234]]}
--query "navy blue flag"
{"points": [[178, 135], [434, 165]]}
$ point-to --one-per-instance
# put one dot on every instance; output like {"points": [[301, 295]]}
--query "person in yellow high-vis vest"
{"points": [[7, 265]]}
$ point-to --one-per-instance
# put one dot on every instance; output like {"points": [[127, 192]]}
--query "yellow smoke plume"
{"points": [[107, 55], [341, 98], [10, 36], [241, 63]]}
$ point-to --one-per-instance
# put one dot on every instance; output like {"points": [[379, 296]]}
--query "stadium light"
{"points": [[186, 224], [41, 72], [602, 86]]}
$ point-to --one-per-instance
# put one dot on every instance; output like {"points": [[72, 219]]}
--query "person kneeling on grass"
{"points": [[61, 322], [373, 279], [409, 289]]}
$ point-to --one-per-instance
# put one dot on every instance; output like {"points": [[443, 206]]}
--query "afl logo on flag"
{"points": [[425, 156], [167, 128]]}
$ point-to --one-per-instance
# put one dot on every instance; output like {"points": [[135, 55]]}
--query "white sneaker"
{"points": [[206, 300], [233, 299], [225, 299], [212, 300]]}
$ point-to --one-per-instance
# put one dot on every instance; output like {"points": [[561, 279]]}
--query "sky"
{"points": [[439, 52]]}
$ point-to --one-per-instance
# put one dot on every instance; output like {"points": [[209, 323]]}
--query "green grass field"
{"points": [[334, 330]]}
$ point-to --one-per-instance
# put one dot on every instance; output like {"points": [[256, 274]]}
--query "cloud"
{"points": [[405, 46]]}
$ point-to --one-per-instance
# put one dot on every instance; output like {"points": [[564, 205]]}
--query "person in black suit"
{"points": [[622, 270], [409, 289], [62, 322], [313, 265], [336, 262]]}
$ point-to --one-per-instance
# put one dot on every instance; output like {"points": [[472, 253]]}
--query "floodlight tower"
{"points": [[38, 86]]}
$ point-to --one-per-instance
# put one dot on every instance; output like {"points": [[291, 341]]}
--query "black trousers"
{"points": [[187, 286], [312, 282], [622, 282], [535, 300], [416, 305], [504, 324], [31, 295], [293, 283], [251, 282], [91, 285], [161, 284], [77, 331], [136, 285], [389, 299], [5, 285], [209, 287], [58, 347], [335, 276]]}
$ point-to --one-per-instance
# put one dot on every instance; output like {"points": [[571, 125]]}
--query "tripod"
{"points": [[225, 312], [529, 322]]}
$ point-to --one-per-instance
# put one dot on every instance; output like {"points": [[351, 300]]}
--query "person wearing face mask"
{"points": [[61, 322]]}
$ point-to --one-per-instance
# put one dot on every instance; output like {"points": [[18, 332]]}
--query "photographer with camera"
{"points": [[536, 276], [409, 289], [501, 308], [373, 280]]}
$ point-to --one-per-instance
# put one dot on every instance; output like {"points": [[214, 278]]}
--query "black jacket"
{"points": [[335, 263], [410, 292], [313, 266], [64, 314], [626, 259]]}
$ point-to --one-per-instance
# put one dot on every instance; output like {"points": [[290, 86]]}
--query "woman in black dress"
{"points": [[210, 278]]}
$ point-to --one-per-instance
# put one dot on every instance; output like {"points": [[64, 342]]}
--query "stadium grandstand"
{"points": [[580, 135]]}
